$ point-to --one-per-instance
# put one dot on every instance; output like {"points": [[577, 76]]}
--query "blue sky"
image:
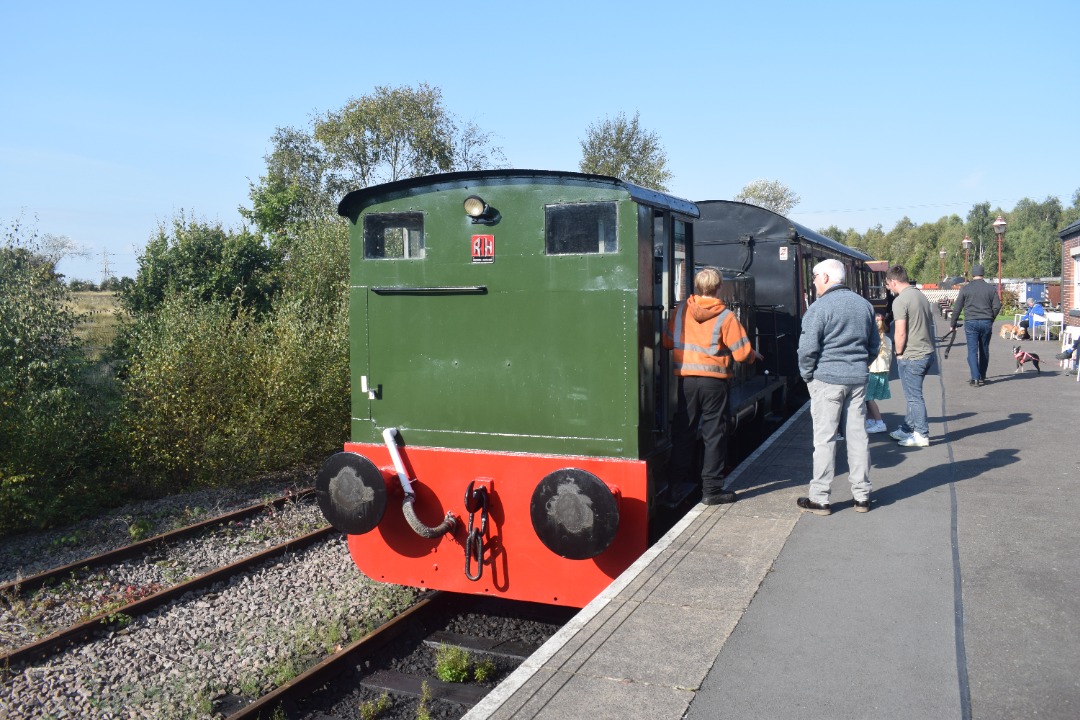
{"points": [[117, 116]]}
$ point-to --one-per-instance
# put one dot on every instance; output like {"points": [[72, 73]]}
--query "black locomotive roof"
{"points": [[724, 221], [353, 203]]}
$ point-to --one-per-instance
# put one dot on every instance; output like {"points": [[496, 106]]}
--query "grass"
{"points": [[98, 309]]}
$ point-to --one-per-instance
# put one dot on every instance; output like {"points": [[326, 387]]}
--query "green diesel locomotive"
{"points": [[511, 395]]}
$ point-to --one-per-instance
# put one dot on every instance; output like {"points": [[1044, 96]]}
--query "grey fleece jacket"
{"points": [[839, 339], [979, 299]]}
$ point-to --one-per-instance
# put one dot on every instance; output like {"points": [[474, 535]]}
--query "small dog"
{"points": [[1011, 332], [1023, 356]]}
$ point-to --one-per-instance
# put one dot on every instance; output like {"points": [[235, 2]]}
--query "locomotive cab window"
{"points": [[581, 228], [394, 236]]}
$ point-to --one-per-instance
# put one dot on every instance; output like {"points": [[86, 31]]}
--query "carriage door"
{"points": [[663, 285], [806, 279]]}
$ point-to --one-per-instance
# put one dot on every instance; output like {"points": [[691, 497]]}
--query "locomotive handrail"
{"points": [[433, 290]]}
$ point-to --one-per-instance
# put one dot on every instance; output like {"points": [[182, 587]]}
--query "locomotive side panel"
{"points": [[519, 350]]}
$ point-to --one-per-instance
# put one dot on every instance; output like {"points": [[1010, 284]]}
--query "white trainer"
{"points": [[877, 426], [899, 434], [915, 440]]}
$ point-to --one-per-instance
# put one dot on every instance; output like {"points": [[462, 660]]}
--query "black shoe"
{"points": [[721, 498], [862, 505], [981, 383], [816, 508], [973, 383]]}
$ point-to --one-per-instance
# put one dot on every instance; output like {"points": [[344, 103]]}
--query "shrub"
{"points": [[452, 664], [206, 262], [1010, 302], [52, 439], [213, 394]]}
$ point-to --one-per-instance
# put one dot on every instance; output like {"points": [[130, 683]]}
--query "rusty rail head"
{"points": [[77, 633], [37, 581], [310, 680]]}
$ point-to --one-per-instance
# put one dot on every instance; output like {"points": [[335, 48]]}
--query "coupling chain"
{"points": [[475, 501]]}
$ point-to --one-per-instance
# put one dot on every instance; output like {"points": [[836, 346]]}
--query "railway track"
{"points": [[438, 659], [239, 637], [105, 610]]}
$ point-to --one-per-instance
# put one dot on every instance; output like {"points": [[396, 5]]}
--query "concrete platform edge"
{"points": [[534, 663]]}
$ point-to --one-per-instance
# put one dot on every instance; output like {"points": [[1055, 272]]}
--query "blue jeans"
{"points": [[978, 333], [912, 373]]}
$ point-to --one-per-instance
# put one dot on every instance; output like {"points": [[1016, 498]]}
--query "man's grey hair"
{"points": [[831, 267]]}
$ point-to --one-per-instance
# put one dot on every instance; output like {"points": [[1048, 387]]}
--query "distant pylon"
{"points": [[105, 272]]}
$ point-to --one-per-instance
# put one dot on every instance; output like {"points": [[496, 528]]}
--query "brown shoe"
{"points": [[816, 508]]}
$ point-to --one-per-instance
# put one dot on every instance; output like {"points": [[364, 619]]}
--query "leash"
{"points": [[952, 338]]}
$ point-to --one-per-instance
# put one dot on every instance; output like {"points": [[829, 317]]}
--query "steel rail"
{"points": [[365, 648], [37, 581], [84, 630]]}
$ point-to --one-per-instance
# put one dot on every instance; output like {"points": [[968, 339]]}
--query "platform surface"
{"points": [[956, 596]]}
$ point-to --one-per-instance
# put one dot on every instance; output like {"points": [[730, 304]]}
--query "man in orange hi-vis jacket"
{"points": [[707, 340]]}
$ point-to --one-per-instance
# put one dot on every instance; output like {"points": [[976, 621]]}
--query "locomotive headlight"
{"points": [[475, 206], [480, 212]]}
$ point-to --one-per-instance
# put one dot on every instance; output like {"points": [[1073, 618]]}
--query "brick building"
{"points": [[1070, 273]]}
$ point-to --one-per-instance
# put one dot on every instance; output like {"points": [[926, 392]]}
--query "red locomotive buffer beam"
{"points": [[584, 507]]}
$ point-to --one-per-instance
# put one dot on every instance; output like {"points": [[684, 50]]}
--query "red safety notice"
{"points": [[483, 248]]}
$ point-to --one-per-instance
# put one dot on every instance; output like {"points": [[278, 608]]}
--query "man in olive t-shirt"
{"points": [[913, 344]]}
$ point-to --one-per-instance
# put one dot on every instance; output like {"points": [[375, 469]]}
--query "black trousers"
{"points": [[701, 401]]}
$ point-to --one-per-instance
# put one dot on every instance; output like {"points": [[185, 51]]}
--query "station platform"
{"points": [[956, 596]]}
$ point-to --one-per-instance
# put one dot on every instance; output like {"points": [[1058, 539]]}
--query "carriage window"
{"points": [[394, 235], [581, 228]]}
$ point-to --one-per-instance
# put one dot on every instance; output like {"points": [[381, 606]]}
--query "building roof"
{"points": [[1070, 230]]}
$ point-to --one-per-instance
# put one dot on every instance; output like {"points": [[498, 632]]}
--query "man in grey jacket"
{"points": [[839, 340], [981, 305]]}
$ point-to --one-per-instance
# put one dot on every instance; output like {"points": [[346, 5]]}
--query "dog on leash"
{"points": [[1011, 332], [1022, 357]]}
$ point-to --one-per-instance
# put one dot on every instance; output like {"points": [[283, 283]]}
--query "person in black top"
{"points": [[979, 301]]}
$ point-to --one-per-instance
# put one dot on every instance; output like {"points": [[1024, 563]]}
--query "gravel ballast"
{"points": [[239, 638]]}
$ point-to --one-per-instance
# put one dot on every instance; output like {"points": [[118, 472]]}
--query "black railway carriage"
{"points": [[780, 254]]}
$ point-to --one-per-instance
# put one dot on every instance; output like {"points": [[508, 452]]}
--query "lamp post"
{"points": [[999, 228], [966, 242], [942, 253]]}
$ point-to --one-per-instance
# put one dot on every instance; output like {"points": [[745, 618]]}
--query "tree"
{"points": [[389, 135], [1033, 244], [623, 149], [205, 262], [980, 227], [769, 194], [49, 432], [1072, 213], [294, 190], [392, 134]]}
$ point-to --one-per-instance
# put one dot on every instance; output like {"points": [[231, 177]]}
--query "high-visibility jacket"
{"points": [[707, 339]]}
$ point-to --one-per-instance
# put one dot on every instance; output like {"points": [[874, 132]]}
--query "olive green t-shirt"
{"points": [[911, 305]]}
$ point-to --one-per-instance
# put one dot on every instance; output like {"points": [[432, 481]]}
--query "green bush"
{"points": [[53, 443], [1010, 303], [205, 261], [232, 360], [214, 394], [452, 663]]}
